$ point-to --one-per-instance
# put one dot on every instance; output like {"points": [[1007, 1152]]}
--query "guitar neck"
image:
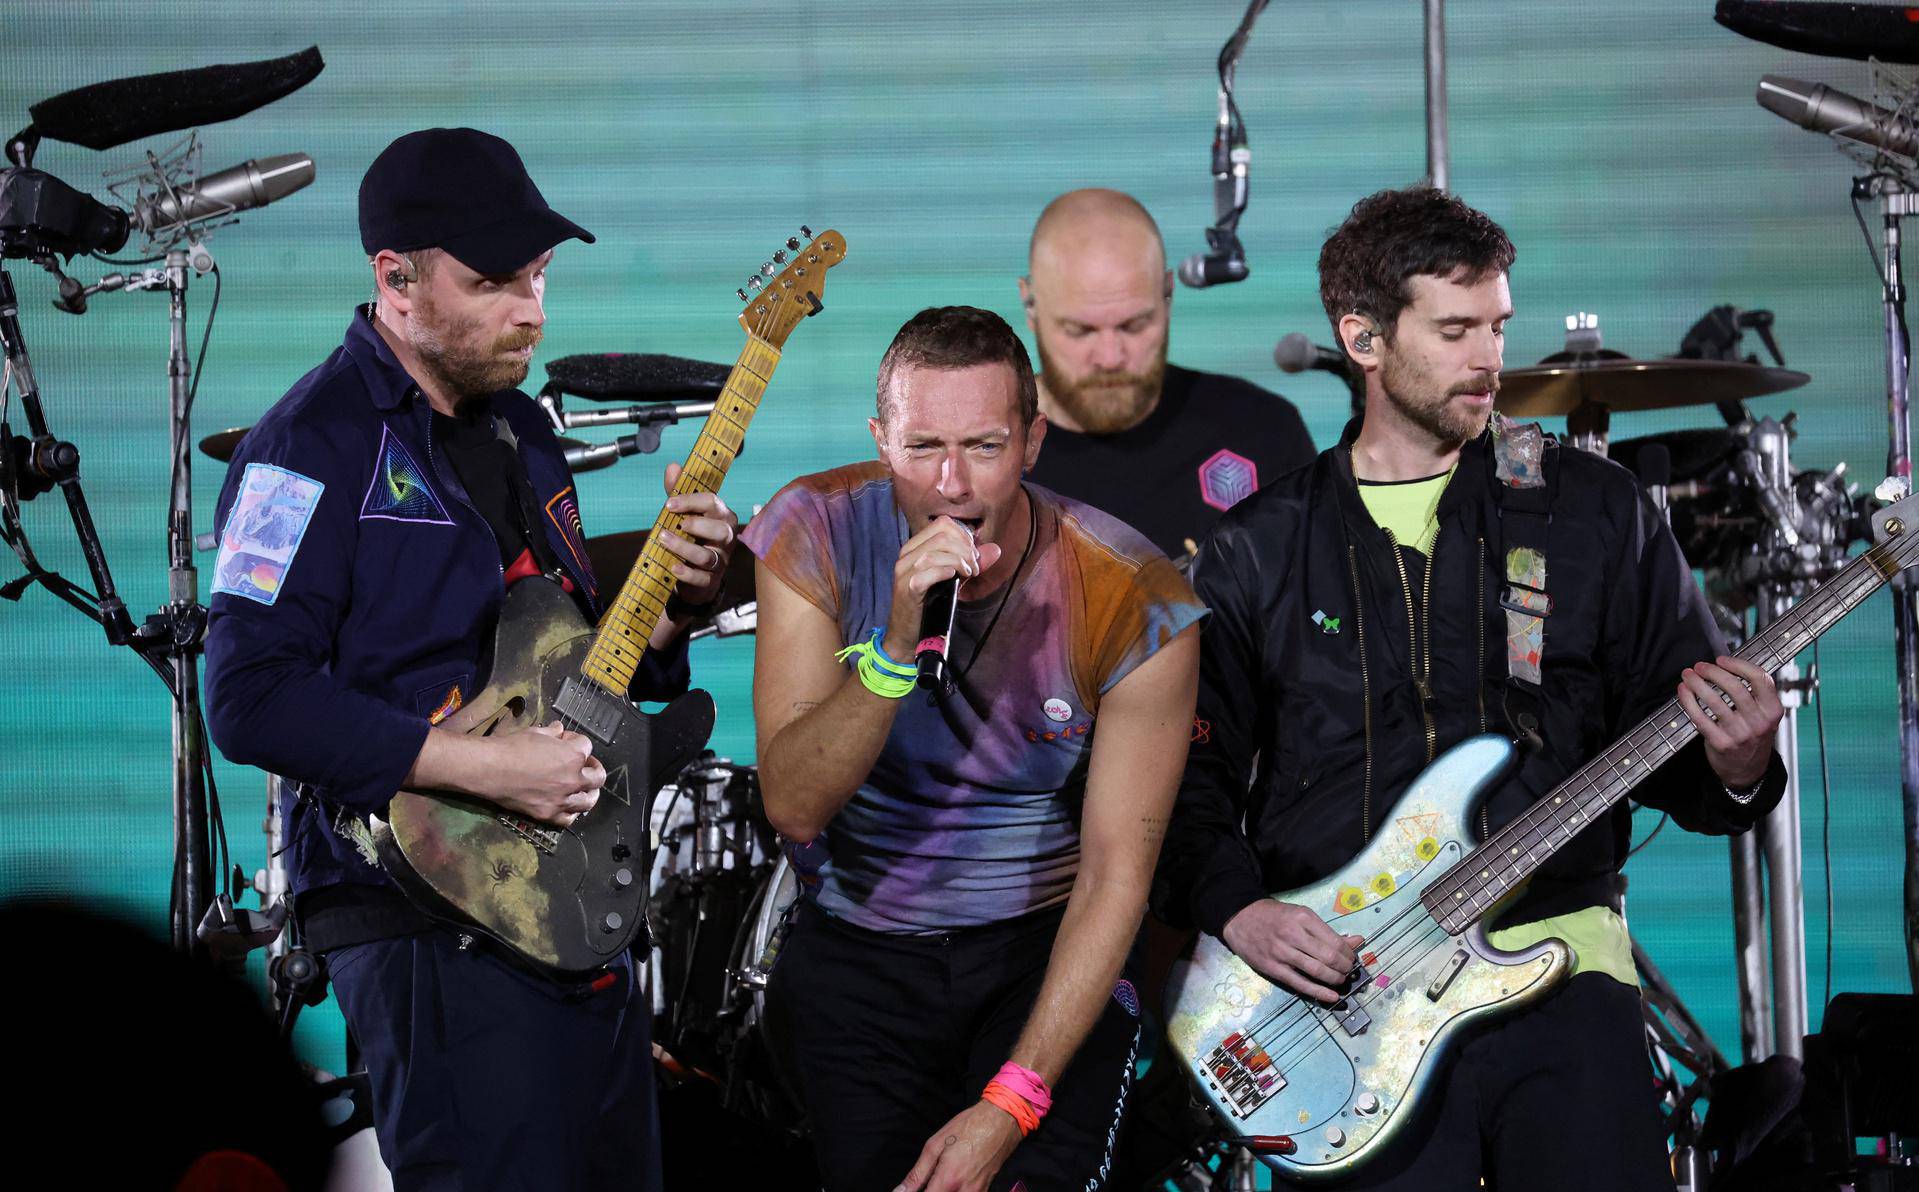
{"points": [[1511, 855], [632, 616]]}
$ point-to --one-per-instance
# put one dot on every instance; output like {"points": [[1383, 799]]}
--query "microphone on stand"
{"points": [[1818, 107], [1296, 353], [232, 190]]}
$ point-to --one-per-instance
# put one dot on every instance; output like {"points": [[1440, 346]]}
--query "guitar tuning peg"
{"points": [[769, 269], [779, 258], [793, 243], [806, 231], [754, 283], [742, 293]]}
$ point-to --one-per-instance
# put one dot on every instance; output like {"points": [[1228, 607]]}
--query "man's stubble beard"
{"points": [[1434, 415], [444, 346], [1103, 403]]}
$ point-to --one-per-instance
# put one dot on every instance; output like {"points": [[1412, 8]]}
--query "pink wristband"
{"points": [[1028, 1085]]}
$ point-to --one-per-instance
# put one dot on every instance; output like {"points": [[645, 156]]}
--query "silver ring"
{"points": [[717, 557]]}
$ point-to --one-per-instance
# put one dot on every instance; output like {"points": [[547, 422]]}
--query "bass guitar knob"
{"points": [[1367, 1103], [1335, 1136], [612, 922], [622, 878]]}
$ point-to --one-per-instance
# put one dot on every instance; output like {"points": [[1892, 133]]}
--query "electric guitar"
{"points": [[568, 900], [1316, 1090]]}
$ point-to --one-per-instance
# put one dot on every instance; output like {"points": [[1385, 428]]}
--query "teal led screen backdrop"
{"points": [[1619, 144]]}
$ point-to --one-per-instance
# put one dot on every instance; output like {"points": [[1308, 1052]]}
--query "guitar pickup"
{"points": [[593, 708], [1243, 1073], [1444, 980], [1347, 1011]]}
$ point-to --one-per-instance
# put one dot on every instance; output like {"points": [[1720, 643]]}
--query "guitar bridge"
{"points": [[544, 839], [1244, 1074]]}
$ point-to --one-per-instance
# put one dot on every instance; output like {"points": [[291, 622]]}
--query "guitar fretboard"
{"points": [[631, 617], [1511, 855]]}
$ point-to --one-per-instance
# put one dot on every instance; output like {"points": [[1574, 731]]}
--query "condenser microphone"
{"points": [[1295, 354], [237, 188], [1204, 269], [1821, 109], [936, 634]]}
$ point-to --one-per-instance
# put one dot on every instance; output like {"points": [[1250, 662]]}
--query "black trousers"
{"points": [[893, 1035], [485, 1076], [1558, 1096]]}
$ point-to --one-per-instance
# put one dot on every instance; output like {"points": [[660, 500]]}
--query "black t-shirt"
{"points": [[1211, 442], [490, 470]]}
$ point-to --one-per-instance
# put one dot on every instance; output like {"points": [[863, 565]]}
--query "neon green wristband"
{"points": [[881, 682]]}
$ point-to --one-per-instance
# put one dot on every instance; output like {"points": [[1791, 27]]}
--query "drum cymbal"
{"points": [[613, 556], [222, 444], [1554, 390]]}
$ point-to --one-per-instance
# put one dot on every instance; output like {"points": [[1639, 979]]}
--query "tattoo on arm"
{"points": [[806, 705], [1155, 826]]}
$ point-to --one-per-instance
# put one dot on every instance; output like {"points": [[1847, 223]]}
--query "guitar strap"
{"points": [[1525, 486]]}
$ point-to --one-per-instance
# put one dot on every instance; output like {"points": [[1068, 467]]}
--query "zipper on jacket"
{"points": [[1419, 635], [1366, 703]]}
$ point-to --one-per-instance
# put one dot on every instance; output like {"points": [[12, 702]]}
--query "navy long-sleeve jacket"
{"points": [[356, 593]]}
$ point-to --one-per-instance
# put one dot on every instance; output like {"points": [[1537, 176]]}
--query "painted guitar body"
{"points": [[1339, 1082], [565, 901]]}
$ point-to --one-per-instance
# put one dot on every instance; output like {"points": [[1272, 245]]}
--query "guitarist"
{"points": [[370, 525], [953, 982], [1357, 632]]}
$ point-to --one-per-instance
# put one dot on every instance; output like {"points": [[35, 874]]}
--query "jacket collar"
{"points": [[1469, 480], [387, 383]]}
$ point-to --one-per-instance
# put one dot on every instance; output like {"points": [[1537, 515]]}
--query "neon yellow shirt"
{"points": [[1409, 509]]}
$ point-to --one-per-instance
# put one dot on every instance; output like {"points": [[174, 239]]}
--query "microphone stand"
{"points": [[1898, 199], [176, 632], [1438, 148]]}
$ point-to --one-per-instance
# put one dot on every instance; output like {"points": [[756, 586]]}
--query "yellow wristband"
{"points": [[879, 681]]}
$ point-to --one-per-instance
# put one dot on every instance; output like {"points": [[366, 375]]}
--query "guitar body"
{"points": [[1339, 1082], [566, 901]]}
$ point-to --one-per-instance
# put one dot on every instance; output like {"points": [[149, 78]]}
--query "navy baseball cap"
{"points": [[461, 190]]}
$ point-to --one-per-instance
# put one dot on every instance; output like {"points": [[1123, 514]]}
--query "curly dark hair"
{"points": [[1393, 236], [955, 337]]}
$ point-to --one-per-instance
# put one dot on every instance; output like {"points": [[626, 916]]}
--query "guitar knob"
{"points": [[612, 922], [1366, 1104], [1335, 1136], [622, 878]]}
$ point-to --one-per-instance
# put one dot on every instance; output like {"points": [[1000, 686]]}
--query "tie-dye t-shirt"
{"points": [[971, 814]]}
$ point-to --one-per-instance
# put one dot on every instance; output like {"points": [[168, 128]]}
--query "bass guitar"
{"points": [[565, 901], [1317, 1090]]}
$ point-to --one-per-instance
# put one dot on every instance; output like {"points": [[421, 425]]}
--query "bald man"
{"points": [[1163, 448]]}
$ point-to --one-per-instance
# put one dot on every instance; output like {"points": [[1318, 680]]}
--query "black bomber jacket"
{"points": [[1312, 713]]}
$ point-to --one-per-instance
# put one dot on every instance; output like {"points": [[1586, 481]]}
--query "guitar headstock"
{"points": [[776, 302]]}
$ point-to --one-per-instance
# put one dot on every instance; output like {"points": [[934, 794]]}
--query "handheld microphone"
{"points": [[1295, 353], [237, 188], [936, 634], [1821, 109]]}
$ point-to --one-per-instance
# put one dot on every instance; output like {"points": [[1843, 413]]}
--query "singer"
{"points": [[1163, 448], [953, 984], [370, 524]]}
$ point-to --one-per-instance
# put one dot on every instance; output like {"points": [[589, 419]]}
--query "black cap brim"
{"points": [[504, 246]]}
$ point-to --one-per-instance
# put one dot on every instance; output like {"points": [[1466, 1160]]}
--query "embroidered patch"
{"points": [[1517, 451], [448, 706], [263, 532], [564, 512], [398, 490], [1327, 625], [1127, 996], [1226, 479]]}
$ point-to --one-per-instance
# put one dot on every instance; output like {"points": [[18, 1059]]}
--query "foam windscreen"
{"points": [[103, 115], [636, 376]]}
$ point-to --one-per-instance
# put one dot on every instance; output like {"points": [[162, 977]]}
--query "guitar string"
{"points": [[1849, 592]]}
